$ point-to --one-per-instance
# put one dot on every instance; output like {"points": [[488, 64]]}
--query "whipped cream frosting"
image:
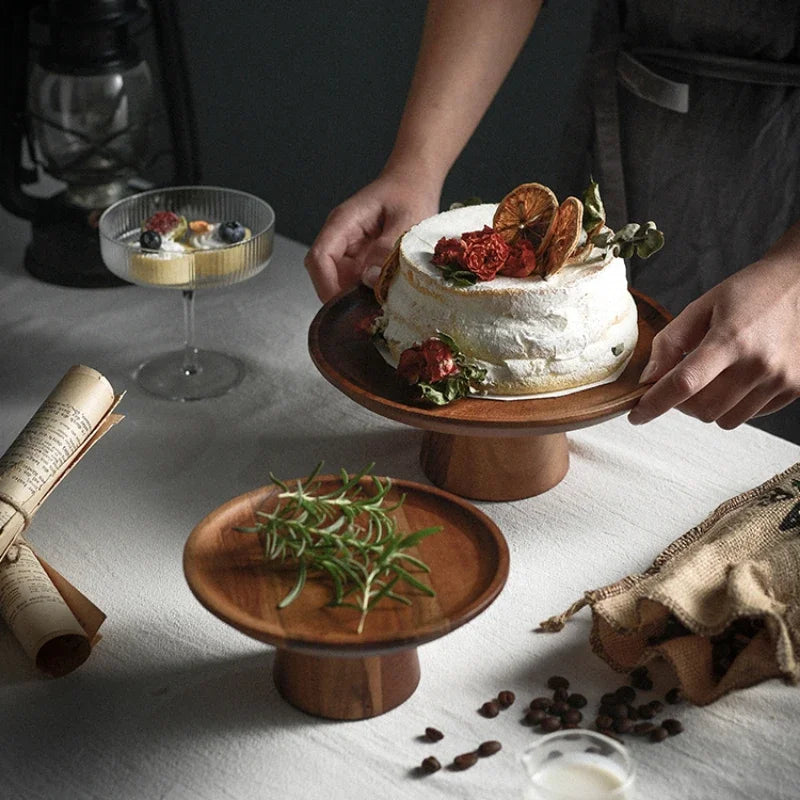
{"points": [[531, 335]]}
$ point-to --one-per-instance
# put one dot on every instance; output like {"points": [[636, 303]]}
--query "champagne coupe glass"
{"points": [[188, 374]]}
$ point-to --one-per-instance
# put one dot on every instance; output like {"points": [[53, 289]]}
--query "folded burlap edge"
{"points": [[776, 625]]}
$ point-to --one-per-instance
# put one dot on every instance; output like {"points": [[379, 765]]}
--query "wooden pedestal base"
{"points": [[346, 687], [489, 468]]}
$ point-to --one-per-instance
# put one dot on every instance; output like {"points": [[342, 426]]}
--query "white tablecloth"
{"points": [[174, 704]]}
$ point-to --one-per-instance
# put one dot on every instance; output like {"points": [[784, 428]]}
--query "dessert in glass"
{"points": [[188, 238]]}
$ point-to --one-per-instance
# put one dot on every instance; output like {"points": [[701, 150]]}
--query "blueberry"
{"points": [[150, 240], [231, 232]]}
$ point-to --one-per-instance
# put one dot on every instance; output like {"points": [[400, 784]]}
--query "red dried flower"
{"points": [[521, 260], [448, 251], [428, 362], [486, 253]]}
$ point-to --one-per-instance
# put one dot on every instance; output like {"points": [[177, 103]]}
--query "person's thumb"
{"points": [[678, 338]]}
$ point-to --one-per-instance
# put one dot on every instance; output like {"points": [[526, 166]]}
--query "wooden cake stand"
{"points": [[323, 665], [478, 448]]}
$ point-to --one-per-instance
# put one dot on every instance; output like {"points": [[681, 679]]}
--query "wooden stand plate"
{"points": [[484, 449], [323, 665]]}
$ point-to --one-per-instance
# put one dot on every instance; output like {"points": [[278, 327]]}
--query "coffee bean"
{"points": [[609, 699], [430, 765], [553, 754], [560, 695], [643, 682], [657, 706], [572, 715], [434, 734], [550, 724], [558, 708], [673, 696], [658, 735], [625, 694], [541, 702], [605, 711], [535, 715], [623, 725], [465, 760], [577, 701], [672, 726], [557, 682], [604, 722], [490, 708], [619, 711], [632, 712], [646, 711], [489, 748], [643, 728], [506, 698], [570, 726]]}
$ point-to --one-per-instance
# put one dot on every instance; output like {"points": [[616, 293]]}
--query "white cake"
{"points": [[577, 327]]}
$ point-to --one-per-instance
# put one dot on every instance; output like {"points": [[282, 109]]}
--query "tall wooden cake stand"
{"points": [[323, 665], [483, 449]]}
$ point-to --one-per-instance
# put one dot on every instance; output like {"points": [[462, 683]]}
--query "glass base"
{"points": [[164, 376]]}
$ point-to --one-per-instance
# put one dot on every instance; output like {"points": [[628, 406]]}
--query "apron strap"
{"points": [[651, 86], [607, 155]]}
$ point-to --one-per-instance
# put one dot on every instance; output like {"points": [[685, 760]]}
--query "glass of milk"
{"points": [[578, 765]]}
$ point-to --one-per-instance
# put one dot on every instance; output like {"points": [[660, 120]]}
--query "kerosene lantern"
{"points": [[82, 112]]}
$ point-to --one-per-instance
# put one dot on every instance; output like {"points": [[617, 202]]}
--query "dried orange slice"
{"points": [[389, 269], [526, 211], [564, 234]]}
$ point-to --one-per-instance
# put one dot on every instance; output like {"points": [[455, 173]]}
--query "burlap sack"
{"points": [[721, 604]]}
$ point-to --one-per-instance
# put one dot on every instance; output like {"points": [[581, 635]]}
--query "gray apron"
{"points": [[694, 123]]}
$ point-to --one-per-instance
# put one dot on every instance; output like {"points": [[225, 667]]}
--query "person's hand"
{"points": [[733, 353], [359, 233]]}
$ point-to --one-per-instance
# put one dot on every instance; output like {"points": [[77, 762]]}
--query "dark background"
{"points": [[299, 102]]}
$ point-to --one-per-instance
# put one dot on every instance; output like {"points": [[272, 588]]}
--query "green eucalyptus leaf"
{"points": [[594, 213]]}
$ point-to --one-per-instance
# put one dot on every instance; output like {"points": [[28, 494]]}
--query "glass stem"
{"points": [[190, 366]]}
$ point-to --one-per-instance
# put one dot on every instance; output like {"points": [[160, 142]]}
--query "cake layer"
{"points": [[532, 335]]}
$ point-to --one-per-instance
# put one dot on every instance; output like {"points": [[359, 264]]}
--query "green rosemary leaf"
{"points": [[421, 565], [348, 534], [415, 538], [298, 587], [411, 580]]}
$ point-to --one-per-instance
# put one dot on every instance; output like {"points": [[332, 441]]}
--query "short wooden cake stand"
{"points": [[323, 665], [483, 449]]}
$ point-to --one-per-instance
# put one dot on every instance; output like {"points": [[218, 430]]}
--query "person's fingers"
{"points": [[683, 381], [721, 394], [759, 402], [778, 402], [370, 275], [333, 259], [680, 336], [324, 274]]}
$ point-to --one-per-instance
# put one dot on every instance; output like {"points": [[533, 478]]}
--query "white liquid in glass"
{"points": [[581, 776]]}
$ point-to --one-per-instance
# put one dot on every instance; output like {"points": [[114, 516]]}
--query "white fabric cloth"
{"points": [[174, 704]]}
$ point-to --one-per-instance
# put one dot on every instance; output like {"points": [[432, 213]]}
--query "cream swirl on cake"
{"points": [[577, 327]]}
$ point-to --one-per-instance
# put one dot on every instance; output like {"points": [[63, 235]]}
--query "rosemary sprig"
{"points": [[348, 534]]}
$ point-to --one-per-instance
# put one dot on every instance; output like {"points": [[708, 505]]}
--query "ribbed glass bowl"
{"points": [[120, 226]]}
